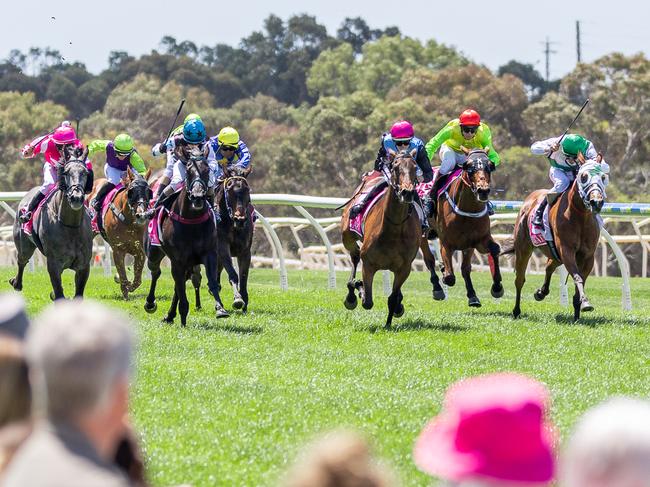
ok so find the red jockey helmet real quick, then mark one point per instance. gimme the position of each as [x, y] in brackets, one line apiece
[64, 135]
[402, 130]
[470, 118]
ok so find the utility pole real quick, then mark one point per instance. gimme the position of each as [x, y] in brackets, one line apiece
[547, 53]
[578, 41]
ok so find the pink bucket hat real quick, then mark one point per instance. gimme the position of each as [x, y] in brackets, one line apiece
[492, 426]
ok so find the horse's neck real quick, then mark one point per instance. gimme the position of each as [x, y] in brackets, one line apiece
[575, 207]
[464, 197]
[65, 214]
[121, 202]
[394, 210]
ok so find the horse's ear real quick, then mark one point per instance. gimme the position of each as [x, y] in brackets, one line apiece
[464, 149]
[486, 149]
[84, 153]
[599, 157]
[129, 174]
[581, 158]
[413, 153]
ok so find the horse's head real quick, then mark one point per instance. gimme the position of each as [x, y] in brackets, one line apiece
[476, 173]
[196, 178]
[237, 195]
[403, 178]
[74, 174]
[591, 181]
[138, 194]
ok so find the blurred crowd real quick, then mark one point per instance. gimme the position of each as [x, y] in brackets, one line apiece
[64, 402]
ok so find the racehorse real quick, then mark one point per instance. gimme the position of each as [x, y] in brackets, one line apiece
[124, 226]
[188, 238]
[235, 232]
[463, 223]
[392, 230]
[61, 228]
[573, 223]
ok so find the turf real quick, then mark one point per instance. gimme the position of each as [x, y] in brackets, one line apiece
[231, 402]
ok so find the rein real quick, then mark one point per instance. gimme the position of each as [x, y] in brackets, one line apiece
[225, 196]
[456, 209]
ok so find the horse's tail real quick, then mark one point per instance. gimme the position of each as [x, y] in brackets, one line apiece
[508, 247]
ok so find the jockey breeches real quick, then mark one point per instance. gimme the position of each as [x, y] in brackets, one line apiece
[169, 167]
[49, 177]
[561, 179]
[113, 175]
[449, 159]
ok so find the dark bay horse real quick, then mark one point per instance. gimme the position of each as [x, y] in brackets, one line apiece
[573, 222]
[124, 226]
[189, 238]
[235, 233]
[392, 231]
[61, 230]
[463, 223]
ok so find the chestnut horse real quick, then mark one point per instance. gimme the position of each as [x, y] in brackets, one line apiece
[235, 232]
[573, 223]
[124, 225]
[392, 231]
[463, 223]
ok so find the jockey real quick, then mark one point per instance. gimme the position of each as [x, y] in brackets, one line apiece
[465, 131]
[401, 138]
[229, 151]
[120, 154]
[51, 146]
[193, 136]
[161, 148]
[563, 157]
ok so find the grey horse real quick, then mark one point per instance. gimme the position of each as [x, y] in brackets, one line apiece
[61, 231]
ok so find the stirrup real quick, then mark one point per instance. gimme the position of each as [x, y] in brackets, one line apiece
[25, 215]
[356, 209]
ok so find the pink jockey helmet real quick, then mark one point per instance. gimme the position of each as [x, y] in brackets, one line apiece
[64, 135]
[402, 130]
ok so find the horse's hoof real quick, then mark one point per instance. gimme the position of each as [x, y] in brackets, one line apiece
[586, 306]
[116, 278]
[168, 319]
[367, 305]
[399, 312]
[515, 313]
[449, 280]
[52, 297]
[539, 295]
[439, 295]
[222, 313]
[474, 302]
[151, 308]
[350, 304]
[17, 287]
[497, 291]
[238, 303]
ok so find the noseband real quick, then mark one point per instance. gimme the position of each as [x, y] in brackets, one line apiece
[473, 166]
[69, 189]
[225, 195]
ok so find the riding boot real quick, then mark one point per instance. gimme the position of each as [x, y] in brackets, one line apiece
[163, 199]
[161, 187]
[433, 196]
[366, 198]
[27, 212]
[538, 221]
[423, 217]
[96, 202]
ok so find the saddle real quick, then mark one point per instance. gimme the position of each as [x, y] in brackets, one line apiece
[97, 220]
[543, 236]
[28, 226]
[424, 189]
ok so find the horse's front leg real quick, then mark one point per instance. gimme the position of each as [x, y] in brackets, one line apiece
[542, 292]
[210, 264]
[173, 307]
[155, 256]
[448, 276]
[466, 271]
[244, 264]
[118, 257]
[580, 301]
[138, 266]
[196, 283]
[395, 306]
[493, 260]
[80, 280]
[368, 275]
[522, 256]
[430, 262]
[179, 273]
[54, 270]
[233, 278]
[350, 301]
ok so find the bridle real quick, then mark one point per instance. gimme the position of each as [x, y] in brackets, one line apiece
[471, 167]
[388, 167]
[225, 192]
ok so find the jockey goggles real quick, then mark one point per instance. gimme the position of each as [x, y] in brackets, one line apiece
[402, 142]
[228, 148]
[468, 129]
[124, 153]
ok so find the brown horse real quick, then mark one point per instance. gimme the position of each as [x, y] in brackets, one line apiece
[235, 232]
[392, 231]
[463, 223]
[124, 226]
[573, 223]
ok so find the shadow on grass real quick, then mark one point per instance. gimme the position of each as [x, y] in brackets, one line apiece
[596, 321]
[417, 325]
[227, 326]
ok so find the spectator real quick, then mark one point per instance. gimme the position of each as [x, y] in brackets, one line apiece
[340, 459]
[79, 353]
[492, 432]
[13, 320]
[610, 446]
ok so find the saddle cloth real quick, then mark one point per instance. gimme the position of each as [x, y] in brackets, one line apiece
[424, 189]
[94, 223]
[357, 224]
[154, 228]
[28, 227]
[539, 236]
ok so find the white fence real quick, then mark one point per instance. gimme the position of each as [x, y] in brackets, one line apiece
[332, 256]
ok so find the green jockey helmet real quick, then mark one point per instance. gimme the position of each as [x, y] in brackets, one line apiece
[123, 144]
[574, 143]
[192, 116]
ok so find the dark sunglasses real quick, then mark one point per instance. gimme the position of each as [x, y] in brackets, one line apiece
[120, 153]
[469, 130]
[402, 142]
[228, 148]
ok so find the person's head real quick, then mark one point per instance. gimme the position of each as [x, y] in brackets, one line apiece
[13, 320]
[194, 132]
[470, 121]
[339, 459]
[15, 395]
[402, 133]
[228, 139]
[63, 136]
[123, 145]
[80, 356]
[192, 116]
[610, 446]
[492, 431]
[572, 145]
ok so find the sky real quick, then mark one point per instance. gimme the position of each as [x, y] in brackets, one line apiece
[488, 32]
